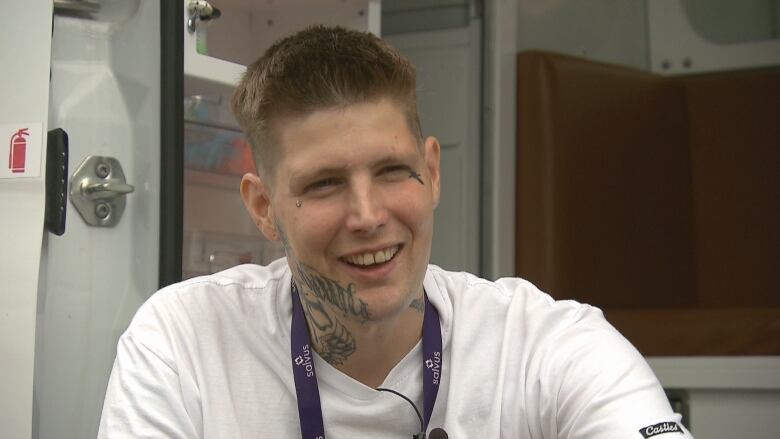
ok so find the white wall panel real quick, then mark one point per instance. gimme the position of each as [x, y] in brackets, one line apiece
[613, 31]
[24, 87]
[448, 90]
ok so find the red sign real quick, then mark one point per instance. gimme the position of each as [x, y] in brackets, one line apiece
[18, 151]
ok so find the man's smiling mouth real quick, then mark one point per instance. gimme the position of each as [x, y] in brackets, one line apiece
[368, 259]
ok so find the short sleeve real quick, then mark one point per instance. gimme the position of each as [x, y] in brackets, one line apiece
[602, 387]
[144, 398]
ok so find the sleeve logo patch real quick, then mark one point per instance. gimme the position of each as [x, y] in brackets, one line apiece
[660, 428]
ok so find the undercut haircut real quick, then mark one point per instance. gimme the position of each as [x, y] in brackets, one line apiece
[319, 68]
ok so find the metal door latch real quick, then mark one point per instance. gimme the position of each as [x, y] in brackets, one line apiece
[200, 10]
[98, 189]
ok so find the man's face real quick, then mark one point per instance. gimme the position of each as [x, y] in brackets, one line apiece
[352, 201]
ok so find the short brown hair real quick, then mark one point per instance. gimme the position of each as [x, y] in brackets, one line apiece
[314, 69]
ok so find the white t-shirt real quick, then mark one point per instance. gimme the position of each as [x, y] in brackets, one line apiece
[210, 358]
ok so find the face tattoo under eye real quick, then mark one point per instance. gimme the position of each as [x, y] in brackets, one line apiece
[416, 176]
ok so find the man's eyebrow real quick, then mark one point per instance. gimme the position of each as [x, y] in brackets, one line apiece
[325, 170]
[313, 172]
[392, 159]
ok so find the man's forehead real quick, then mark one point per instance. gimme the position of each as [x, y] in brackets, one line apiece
[355, 126]
[372, 131]
[342, 164]
[354, 113]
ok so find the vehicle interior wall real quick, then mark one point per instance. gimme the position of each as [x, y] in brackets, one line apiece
[719, 154]
[652, 197]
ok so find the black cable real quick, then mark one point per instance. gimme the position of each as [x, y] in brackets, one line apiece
[422, 427]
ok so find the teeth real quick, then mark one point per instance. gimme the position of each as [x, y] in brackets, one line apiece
[373, 258]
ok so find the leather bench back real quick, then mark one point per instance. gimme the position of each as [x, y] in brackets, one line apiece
[655, 198]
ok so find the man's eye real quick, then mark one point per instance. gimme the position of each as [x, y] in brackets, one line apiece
[322, 184]
[396, 169]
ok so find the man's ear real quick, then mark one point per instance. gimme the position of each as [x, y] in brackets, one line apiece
[432, 162]
[257, 200]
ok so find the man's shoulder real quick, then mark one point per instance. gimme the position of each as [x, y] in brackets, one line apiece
[513, 298]
[240, 277]
[228, 289]
[465, 284]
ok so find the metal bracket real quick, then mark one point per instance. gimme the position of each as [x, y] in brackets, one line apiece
[98, 189]
[200, 10]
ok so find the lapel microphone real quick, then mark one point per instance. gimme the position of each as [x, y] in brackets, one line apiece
[436, 433]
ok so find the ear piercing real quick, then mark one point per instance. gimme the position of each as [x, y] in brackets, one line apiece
[298, 203]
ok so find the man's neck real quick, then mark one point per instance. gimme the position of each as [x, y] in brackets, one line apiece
[363, 349]
[380, 346]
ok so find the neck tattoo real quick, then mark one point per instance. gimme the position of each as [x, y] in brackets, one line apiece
[330, 337]
[344, 299]
[418, 304]
[332, 340]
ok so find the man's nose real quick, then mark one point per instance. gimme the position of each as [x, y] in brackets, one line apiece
[367, 211]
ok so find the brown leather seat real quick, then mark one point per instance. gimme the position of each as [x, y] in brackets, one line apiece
[654, 198]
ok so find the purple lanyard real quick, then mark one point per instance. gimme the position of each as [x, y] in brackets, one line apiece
[307, 390]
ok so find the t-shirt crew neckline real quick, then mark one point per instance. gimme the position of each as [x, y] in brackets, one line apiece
[328, 375]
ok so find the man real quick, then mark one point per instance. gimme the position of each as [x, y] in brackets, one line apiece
[354, 334]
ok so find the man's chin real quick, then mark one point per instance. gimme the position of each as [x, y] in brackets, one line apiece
[384, 302]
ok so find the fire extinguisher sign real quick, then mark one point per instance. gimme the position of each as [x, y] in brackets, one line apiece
[20, 154]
